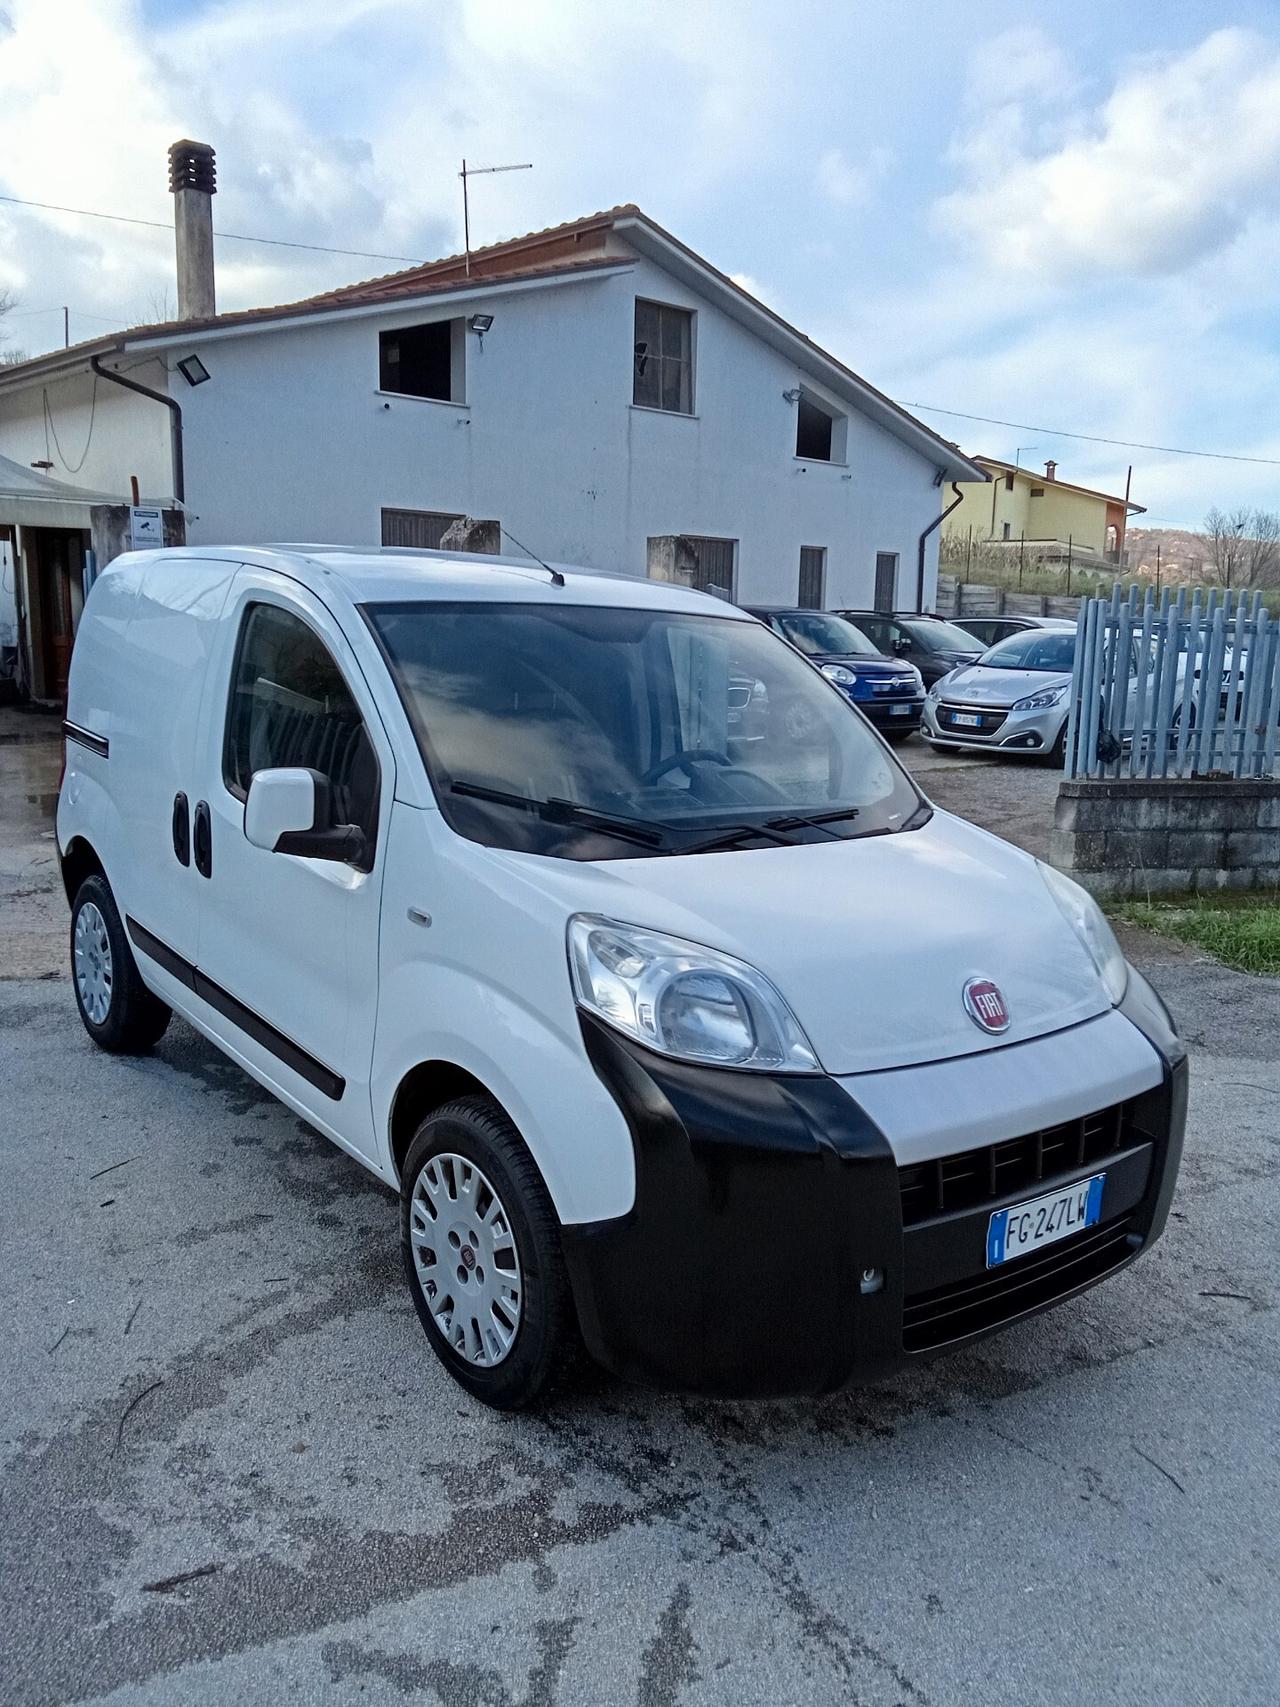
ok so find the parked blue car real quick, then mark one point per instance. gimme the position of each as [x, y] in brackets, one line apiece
[886, 690]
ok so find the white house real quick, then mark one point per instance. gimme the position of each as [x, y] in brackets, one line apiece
[598, 389]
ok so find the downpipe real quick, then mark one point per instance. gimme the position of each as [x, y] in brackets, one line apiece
[924, 540]
[175, 421]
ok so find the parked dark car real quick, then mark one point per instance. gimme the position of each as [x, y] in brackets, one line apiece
[935, 647]
[990, 629]
[888, 691]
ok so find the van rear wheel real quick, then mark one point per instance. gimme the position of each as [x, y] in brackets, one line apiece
[119, 1012]
[482, 1255]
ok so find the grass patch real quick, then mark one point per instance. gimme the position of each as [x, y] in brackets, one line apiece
[1241, 931]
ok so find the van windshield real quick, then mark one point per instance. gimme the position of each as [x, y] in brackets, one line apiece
[598, 732]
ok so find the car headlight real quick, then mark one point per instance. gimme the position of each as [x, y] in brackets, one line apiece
[842, 677]
[1042, 701]
[684, 1000]
[935, 692]
[1087, 920]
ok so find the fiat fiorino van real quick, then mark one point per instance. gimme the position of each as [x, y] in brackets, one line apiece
[706, 1040]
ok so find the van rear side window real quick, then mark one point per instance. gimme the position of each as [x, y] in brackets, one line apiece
[291, 706]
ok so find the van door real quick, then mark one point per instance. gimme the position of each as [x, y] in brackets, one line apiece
[163, 665]
[288, 954]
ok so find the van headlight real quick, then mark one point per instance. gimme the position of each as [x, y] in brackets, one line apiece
[684, 1000]
[1087, 920]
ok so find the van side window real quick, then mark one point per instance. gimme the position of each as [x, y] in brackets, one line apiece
[290, 706]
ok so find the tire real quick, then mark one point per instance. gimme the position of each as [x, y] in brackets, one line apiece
[521, 1239]
[119, 1012]
[1056, 757]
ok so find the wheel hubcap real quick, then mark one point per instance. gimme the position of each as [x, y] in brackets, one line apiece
[91, 954]
[466, 1259]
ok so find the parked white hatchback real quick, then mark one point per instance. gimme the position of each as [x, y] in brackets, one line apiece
[732, 1056]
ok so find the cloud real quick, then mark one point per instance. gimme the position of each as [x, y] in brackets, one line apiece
[846, 183]
[1173, 166]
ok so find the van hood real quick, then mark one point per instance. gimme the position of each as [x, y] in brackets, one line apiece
[981, 685]
[871, 942]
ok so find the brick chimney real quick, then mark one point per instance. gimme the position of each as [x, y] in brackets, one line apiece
[1051, 471]
[193, 181]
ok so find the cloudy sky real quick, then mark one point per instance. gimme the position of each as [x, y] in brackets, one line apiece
[1065, 217]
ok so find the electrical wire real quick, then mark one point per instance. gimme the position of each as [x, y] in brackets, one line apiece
[48, 416]
[231, 236]
[1093, 438]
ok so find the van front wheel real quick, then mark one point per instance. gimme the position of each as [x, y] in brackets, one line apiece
[482, 1255]
[118, 1010]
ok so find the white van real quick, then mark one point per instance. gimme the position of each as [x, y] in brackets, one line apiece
[681, 1023]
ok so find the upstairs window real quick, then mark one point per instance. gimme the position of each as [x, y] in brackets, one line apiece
[820, 431]
[663, 358]
[423, 361]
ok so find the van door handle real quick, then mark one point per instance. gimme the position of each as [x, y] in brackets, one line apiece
[202, 840]
[181, 830]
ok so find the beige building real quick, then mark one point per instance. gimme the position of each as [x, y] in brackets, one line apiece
[1020, 504]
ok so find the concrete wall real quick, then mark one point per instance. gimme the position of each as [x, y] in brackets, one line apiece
[291, 439]
[1136, 838]
[97, 434]
[978, 598]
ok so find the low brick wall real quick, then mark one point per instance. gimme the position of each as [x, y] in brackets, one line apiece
[1167, 837]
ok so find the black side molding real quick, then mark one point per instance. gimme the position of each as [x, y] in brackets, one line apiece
[293, 1055]
[86, 738]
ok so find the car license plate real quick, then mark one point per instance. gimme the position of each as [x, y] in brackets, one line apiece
[966, 719]
[901, 710]
[1044, 1220]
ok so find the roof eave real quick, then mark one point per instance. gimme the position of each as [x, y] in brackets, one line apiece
[651, 240]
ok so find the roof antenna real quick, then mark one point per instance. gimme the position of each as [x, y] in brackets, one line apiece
[557, 579]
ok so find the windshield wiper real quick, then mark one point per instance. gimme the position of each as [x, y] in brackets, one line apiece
[770, 832]
[812, 820]
[558, 811]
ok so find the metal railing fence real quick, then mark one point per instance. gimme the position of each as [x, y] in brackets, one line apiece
[1183, 685]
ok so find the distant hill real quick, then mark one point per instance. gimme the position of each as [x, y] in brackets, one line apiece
[1181, 555]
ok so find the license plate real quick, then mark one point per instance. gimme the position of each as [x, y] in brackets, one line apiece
[901, 710]
[966, 719]
[1044, 1220]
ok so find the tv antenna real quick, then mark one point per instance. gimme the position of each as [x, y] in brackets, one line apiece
[480, 172]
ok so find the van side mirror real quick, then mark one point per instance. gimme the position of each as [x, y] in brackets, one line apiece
[290, 811]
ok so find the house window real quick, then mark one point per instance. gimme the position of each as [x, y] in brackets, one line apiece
[1037, 491]
[420, 529]
[693, 560]
[1008, 483]
[423, 361]
[663, 358]
[813, 575]
[1006, 531]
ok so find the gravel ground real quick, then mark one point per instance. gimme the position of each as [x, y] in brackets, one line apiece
[231, 1471]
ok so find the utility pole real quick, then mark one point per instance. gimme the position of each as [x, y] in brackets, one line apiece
[66, 328]
[477, 172]
[1157, 568]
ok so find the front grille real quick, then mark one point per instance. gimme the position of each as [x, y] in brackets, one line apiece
[988, 720]
[951, 1184]
[971, 1306]
[895, 684]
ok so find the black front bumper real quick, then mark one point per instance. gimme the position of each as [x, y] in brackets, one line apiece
[888, 714]
[763, 1201]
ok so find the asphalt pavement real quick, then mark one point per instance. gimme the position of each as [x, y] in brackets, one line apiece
[231, 1470]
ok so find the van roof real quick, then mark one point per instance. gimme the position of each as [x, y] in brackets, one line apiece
[391, 573]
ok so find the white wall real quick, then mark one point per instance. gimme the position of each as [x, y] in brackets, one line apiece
[96, 434]
[291, 440]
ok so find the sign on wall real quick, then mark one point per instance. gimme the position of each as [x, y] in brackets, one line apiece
[146, 528]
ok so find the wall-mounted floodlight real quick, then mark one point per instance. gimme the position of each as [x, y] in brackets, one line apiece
[792, 396]
[480, 323]
[193, 370]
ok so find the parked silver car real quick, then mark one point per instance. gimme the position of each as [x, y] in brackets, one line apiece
[1017, 696]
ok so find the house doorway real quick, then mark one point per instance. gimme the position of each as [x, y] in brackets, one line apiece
[886, 580]
[56, 556]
